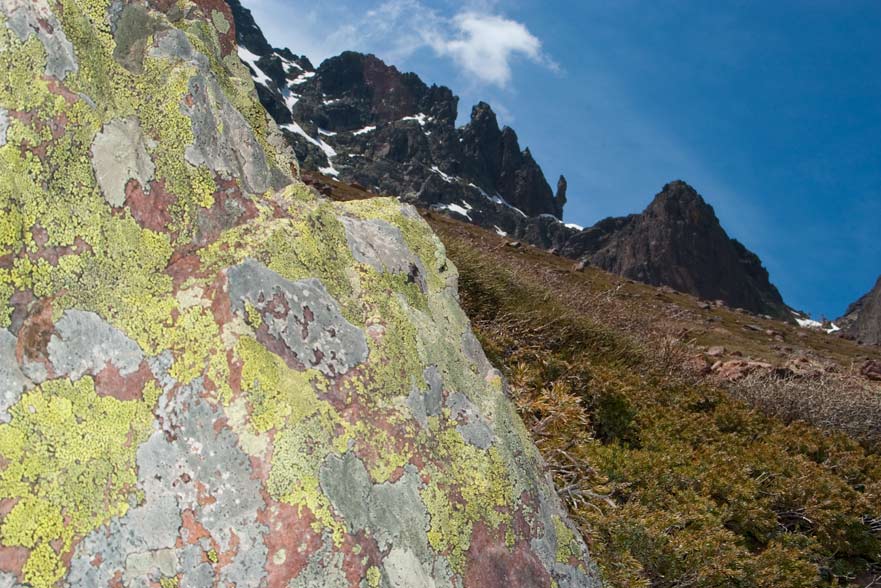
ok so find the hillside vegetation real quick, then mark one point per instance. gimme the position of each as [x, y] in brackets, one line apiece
[673, 482]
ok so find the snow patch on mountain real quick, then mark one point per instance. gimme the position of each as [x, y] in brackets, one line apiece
[364, 131]
[251, 60]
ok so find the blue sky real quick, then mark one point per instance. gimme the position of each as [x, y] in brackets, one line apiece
[772, 110]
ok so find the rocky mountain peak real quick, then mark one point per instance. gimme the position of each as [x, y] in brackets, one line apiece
[363, 121]
[384, 92]
[678, 241]
[678, 202]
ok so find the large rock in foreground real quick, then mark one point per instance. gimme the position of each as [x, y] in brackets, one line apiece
[210, 377]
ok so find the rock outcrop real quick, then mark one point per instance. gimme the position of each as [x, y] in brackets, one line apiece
[209, 376]
[862, 320]
[678, 242]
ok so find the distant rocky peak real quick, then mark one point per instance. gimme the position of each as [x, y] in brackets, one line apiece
[386, 93]
[678, 201]
[483, 117]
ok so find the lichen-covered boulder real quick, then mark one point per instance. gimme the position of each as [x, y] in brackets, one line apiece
[208, 375]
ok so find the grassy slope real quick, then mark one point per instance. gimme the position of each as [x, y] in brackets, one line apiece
[673, 482]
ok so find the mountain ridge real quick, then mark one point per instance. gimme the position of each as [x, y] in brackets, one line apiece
[360, 120]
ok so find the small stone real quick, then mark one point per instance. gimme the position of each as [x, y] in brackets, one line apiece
[872, 370]
[716, 351]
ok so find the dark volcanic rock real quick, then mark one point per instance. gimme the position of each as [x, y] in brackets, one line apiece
[360, 120]
[862, 321]
[678, 241]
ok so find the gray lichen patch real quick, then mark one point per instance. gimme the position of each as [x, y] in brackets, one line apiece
[119, 154]
[324, 569]
[471, 425]
[393, 513]
[35, 17]
[173, 45]
[8, 580]
[195, 468]
[4, 126]
[300, 314]
[12, 381]
[404, 570]
[220, 22]
[224, 142]
[381, 245]
[85, 343]
[424, 404]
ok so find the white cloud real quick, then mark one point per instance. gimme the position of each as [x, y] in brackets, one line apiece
[484, 45]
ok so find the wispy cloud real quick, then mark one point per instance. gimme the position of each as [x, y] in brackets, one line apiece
[484, 45]
[480, 41]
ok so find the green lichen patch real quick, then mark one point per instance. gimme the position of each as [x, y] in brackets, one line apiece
[70, 467]
[470, 485]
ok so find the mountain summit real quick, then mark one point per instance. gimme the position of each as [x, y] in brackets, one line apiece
[678, 241]
[361, 121]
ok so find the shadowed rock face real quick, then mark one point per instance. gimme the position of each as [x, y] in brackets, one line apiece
[678, 241]
[364, 121]
[862, 321]
[209, 376]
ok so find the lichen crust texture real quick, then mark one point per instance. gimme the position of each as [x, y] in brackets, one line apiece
[209, 375]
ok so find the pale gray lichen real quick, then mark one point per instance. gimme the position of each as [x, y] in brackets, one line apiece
[4, 125]
[35, 17]
[12, 381]
[176, 472]
[381, 245]
[471, 425]
[424, 404]
[301, 314]
[224, 142]
[393, 513]
[85, 343]
[325, 569]
[119, 154]
[8, 580]
[403, 569]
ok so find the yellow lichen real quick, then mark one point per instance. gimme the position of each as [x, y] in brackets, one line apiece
[568, 546]
[373, 576]
[474, 486]
[62, 443]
